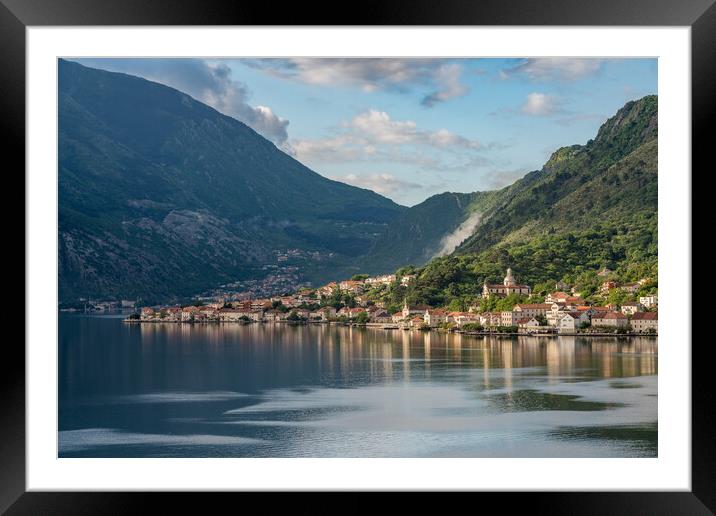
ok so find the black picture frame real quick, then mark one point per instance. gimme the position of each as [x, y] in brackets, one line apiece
[17, 15]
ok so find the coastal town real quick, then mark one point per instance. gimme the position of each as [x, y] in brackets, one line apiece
[357, 301]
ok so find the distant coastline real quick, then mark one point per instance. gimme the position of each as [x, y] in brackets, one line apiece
[389, 327]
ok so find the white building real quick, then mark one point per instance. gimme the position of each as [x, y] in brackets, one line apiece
[528, 324]
[569, 322]
[630, 308]
[649, 301]
[508, 286]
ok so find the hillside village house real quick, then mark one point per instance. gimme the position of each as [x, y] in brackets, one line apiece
[413, 310]
[380, 280]
[434, 317]
[509, 286]
[380, 316]
[326, 290]
[407, 279]
[607, 286]
[532, 310]
[563, 297]
[570, 322]
[649, 301]
[231, 314]
[491, 318]
[460, 318]
[645, 321]
[509, 318]
[416, 322]
[631, 287]
[613, 319]
[353, 286]
[187, 313]
[528, 325]
[630, 308]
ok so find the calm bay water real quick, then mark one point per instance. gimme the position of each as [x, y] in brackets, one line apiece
[168, 390]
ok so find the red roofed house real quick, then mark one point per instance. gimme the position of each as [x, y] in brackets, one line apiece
[556, 297]
[416, 322]
[187, 313]
[613, 319]
[528, 324]
[607, 286]
[645, 321]
[532, 310]
[434, 317]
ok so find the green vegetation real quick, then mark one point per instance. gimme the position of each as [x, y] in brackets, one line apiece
[472, 327]
[590, 207]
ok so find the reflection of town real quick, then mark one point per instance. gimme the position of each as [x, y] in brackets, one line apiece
[375, 354]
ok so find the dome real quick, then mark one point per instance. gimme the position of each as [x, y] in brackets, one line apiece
[509, 278]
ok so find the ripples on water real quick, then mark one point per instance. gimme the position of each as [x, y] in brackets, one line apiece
[168, 390]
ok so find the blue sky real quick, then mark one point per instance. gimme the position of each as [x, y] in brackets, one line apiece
[411, 128]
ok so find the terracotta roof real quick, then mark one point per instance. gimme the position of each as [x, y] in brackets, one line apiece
[613, 315]
[645, 316]
[536, 306]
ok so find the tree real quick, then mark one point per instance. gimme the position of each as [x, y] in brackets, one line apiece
[361, 318]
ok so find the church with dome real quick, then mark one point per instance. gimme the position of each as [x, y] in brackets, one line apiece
[508, 286]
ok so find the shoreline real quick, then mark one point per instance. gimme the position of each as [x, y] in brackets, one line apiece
[393, 327]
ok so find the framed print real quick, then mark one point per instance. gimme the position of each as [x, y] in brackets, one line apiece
[414, 250]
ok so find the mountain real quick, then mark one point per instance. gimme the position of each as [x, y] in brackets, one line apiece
[163, 196]
[417, 234]
[590, 206]
[614, 172]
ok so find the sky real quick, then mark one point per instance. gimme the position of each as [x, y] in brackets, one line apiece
[410, 128]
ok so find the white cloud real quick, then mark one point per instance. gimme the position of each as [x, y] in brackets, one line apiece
[540, 104]
[555, 68]
[377, 127]
[373, 74]
[384, 184]
[373, 135]
[448, 79]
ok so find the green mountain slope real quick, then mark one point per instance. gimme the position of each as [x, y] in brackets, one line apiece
[416, 235]
[437, 226]
[591, 206]
[161, 195]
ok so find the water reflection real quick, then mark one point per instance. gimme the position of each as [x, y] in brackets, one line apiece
[319, 390]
